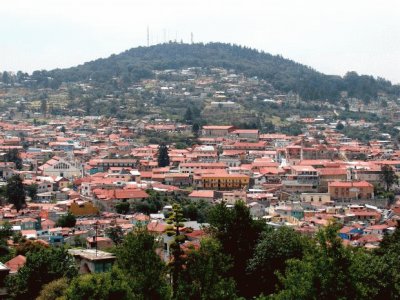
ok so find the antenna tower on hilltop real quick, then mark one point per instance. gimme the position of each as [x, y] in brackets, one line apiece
[148, 36]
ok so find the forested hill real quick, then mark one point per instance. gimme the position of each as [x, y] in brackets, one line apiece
[284, 74]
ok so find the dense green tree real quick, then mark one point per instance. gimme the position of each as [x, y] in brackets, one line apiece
[339, 126]
[54, 290]
[6, 78]
[388, 176]
[122, 207]
[68, 220]
[206, 274]
[175, 221]
[374, 277]
[103, 286]
[274, 248]
[142, 266]
[31, 191]
[116, 234]
[5, 231]
[15, 192]
[188, 115]
[43, 106]
[196, 129]
[283, 74]
[238, 234]
[163, 157]
[41, 267]
[12, 155]
[323, 273]
[26, 246]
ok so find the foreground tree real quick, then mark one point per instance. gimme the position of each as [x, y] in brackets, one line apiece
[163, 157]
[28, 246]
[41, 267]
[175, 221]
[142, 266]
[15, 192]
[238, 234]
[324, 272]
[54, 290]
[103, 286]
[205, 275]
[272, 251]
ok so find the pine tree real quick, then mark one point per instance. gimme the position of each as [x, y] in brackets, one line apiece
[163, 157]
[15, 192]
[176, 265]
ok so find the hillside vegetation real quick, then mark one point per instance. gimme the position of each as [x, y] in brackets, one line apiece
[285, 75]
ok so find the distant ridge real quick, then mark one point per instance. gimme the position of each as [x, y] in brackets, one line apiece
[285, 75]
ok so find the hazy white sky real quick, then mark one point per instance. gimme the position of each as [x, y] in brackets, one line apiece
[332, 36]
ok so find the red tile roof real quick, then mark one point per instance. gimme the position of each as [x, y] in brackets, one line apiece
[16, 263]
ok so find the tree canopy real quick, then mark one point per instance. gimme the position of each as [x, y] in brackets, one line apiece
[284, 74]
[163, 157]
[15, 192]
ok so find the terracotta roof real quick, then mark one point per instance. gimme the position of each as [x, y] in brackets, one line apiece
[202, 194]
[217, 127]
[349, 184]
[156, 227]
[332, 171]
[16, 263]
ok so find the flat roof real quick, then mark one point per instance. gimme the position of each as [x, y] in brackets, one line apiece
[90, 254]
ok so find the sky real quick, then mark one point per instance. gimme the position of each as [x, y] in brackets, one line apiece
[330, 36]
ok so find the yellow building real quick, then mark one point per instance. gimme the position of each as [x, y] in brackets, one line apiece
[224, 181]
[83, 208]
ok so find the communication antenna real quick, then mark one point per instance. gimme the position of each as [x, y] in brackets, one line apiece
[191, 37]
[148, 36]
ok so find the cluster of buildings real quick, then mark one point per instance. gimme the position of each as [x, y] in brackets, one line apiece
[89, 165]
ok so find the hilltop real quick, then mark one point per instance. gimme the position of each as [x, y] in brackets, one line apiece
[283, 74]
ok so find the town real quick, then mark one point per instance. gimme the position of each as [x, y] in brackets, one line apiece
[90, 174]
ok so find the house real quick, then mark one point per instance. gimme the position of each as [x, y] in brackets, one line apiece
[62, 182]
[348, 190]
[256, 209]
[350, 233]
[47, 224]
[224, 181]
[60, 167]
[378, 229]
[98, 242]
[4, 272]
[108, 198]
[318, 198]
[206, 195]
[92, 261]
[7, 169]
[16, 263]
[193, 166]
[246, 134]
[327, 175]
[217, 130]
